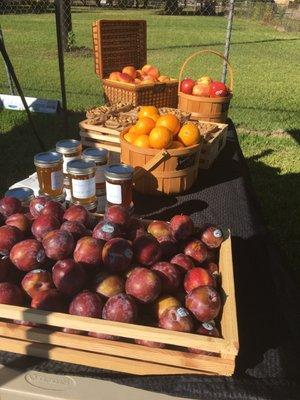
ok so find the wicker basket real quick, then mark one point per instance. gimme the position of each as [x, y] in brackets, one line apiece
[212, 109]
[169, 171]
[118, 43]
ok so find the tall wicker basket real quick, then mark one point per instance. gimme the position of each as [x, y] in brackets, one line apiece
[212, 109]
[118, 43]
[170, 171]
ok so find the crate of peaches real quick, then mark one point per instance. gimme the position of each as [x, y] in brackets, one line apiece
[116, 292]
[164, 152]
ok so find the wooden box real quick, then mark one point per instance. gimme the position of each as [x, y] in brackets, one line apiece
[100, 136]
[117, 44]
[126, 356]
[211, 149]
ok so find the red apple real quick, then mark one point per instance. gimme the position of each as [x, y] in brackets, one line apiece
[48, 300]
[36, 281]
[204, 302]
[58, 244]
[69, 277]
[106, 230]
[117, 255]
[176, 319]
[19, 221]
[121, 308]
[108, 285]
[146, 250]
[169, 275]
[44, 224]
[77, 229]
[196, 250]
[86, 304]
[117, 215]
[212, 236]
[163, 303]
[218, 89]
[159, 229]
[197, 277]
[54, 209]
[182, 227]
[186, 85]
[183, 262]
[143, 284]
[88, 252]
[36, 205]
[77, 213]
[9, 236]
[201, 89]
[11, 294]
[27, 255]
[9, 206]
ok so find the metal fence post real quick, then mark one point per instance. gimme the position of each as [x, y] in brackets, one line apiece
[228, 38]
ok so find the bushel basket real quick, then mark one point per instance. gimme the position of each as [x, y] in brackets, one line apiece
[212, 109]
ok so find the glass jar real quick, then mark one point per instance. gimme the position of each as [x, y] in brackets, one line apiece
[91, 207]
[61, 198]
[99, 156]
[70, 149]
[49, 168]
[24, 194]
[119, 184]
[82, 179]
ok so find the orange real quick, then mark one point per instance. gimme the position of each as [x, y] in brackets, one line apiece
[154, 117]
[189, 134]
[147, 111]
[170, 122]
[177, 145]
[144, 126]
[160, 138]
[142, 141]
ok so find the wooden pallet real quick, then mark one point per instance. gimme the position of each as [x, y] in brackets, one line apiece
[122, 356]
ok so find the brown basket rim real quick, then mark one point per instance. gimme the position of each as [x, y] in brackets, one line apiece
[152, 152]
[138, 86]
[206, 99]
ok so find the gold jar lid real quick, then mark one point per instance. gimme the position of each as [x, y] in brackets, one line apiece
[68, 146]
[119, 172]
[81, 167]
[96, 155]
[48, 158]
[24, 194]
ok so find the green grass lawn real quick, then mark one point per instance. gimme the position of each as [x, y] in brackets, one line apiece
[265, 61]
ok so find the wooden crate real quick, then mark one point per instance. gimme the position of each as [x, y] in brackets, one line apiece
[124, 356]
[99, 136]
[211, 149]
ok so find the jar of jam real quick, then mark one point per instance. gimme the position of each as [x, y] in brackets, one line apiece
[24, 194]
[49, 168]
[91, 207]
[119, 184]
[82, 179]
[61, 198]
[99, 156]
[70, 149]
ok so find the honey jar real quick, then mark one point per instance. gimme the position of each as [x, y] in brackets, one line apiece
[24, 194]
[70, 149]
[82, 179]
[119, 184]
[49, 168]
[61, 198]
[91, 207]
[99, 156]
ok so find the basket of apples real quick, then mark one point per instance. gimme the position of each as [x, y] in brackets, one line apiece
[205, 98]
[120, 54]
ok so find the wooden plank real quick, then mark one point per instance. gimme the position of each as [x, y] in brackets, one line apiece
[101, 145]
[84, 125]
[131, 331]
[98, 136]
[117, 348]
[90, 359]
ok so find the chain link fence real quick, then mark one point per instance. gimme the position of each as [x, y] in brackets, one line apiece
[263, 50]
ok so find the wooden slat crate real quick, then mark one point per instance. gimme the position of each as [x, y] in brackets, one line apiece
[211, 149]
[123, 356]
[100, 136]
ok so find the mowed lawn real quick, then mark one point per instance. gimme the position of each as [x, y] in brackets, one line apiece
[266, 62]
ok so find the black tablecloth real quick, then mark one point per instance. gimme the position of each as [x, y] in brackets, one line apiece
[268, 362]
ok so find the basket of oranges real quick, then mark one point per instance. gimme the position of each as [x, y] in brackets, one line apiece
[164, 152]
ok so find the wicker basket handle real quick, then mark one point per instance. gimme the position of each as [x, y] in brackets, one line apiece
[154, 162]
[210, 52]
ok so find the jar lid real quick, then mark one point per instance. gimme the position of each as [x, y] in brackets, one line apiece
[119, 172]
[68, 146]
[24, 194]
[49, 157]
[97, 155]
[81, 167]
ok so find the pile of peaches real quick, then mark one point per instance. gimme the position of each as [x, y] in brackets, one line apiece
[163, 275]
[148, 74]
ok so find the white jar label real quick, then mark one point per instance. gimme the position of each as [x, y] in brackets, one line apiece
[57, 180]
[113, 193]
[66, 160]
[83, 188]
[99, 177]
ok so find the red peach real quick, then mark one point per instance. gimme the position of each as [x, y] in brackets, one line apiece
[88, 252]
[204, 302]
[117, 254]
[86, 304]
[163, 303]
[36, 281]
[9, 236]
[11, 294]
[117, 215]
[121, 308]
[176, 319]
[130, 70]
[69, 277]
[169, 275]
[48, 300]
[183, 262]
[55, 209]
[19, 221]
[159, 228]
[182, 227]
[44, 224]
[58, 244]
[77, 213]
[9, 206]
[146, 250]
[106, 230]
[114, 76]
[151, 70]
[77, 229]
[143, 284]
[196, 250]
[36, 205]
[27, 255]
[212, 236]
[197, 277]
[109, 285]
[125, 78]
